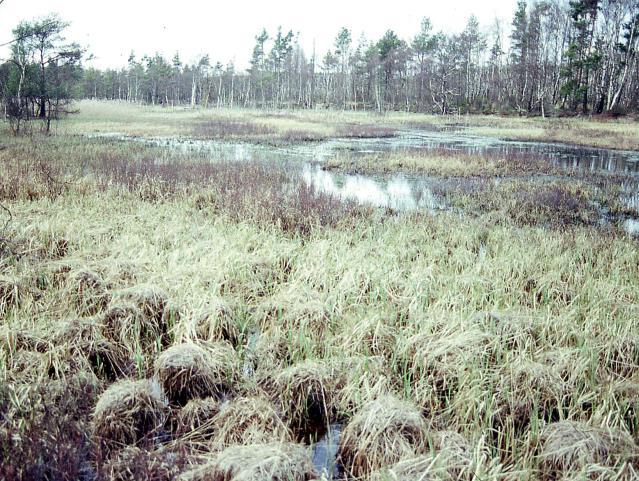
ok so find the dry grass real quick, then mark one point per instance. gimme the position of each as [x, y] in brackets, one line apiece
[445, 163]
[134, 464]
[249, 420]
[605, 133]
[129, 413]
[443, 348]
[227, 124]
[321, 124]
[384, 432]
[195, 420]
[566, 447]
[305, 393]
[257, 462]
[189, 371]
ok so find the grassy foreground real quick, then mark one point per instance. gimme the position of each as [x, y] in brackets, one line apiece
[195, 321]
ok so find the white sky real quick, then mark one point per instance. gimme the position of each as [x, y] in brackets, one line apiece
[226, 29]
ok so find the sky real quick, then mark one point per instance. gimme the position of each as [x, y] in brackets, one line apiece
[225, 30]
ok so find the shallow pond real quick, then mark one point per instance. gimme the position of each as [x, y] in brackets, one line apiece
[405, 191]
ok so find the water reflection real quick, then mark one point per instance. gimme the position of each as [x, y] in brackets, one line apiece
[400, 191]
[631, 226]
[396, 192]
[568, 156]
[561, 155]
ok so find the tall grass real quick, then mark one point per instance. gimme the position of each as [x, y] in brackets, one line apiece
[495, 350]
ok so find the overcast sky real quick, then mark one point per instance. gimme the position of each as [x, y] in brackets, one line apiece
[226, 29]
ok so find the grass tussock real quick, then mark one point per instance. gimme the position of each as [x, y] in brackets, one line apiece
[218, 322]
[134, 464]
[249, 420]
[90, 293]
[129, 413]
[82, 343]
[567, 447]
[257, 462]
[195, 419]
[305, 393]
[189, 371]
[384, 432]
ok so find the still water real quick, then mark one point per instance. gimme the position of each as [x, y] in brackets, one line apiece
[403, 191]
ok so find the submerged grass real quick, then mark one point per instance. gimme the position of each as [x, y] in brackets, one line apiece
[165, 318]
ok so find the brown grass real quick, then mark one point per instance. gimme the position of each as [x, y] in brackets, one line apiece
[135, 464]
[11, 294]
[195, 420]
[189, 371]
[249, 420]
[569, 446]
[90, 293]
[81, 345]
[257, 462]
[129, 413]
[305, 394]
[384, 432]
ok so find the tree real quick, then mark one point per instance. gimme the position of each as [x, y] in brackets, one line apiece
[582, 58]
[280, 53]
[393, 56]
[579, 56]
[423, 44]
[625, 55]
[199, 71]
[471, 44]
[519, 50]
[343, 43]
[47, 70]
[176, 74]
[258, 61]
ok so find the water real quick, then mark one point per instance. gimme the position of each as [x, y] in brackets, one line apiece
[562, 155]
[568, 156]
[399, 191]
[631, 226]
[325, 453]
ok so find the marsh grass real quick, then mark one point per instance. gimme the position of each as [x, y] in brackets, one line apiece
[222, 124]
[446, 163]
[445, 351]
[605, 133]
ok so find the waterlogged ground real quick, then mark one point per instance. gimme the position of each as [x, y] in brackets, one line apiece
[237, 307]
[357, 169]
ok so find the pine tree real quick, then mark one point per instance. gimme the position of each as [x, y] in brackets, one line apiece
[582, 58]
[519, 50]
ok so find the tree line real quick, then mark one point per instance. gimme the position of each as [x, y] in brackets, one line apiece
[575, 56]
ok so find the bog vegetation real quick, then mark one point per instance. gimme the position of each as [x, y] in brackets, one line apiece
[166, 317]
